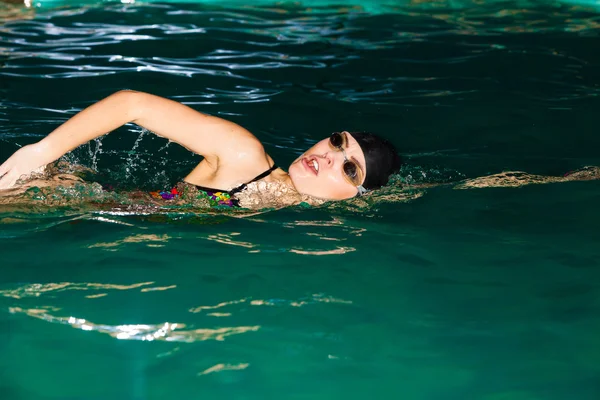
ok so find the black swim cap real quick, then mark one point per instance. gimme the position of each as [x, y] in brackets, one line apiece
[381, 158]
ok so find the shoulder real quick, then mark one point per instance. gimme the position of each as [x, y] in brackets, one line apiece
[239, 147]
[239, 159]
[246, 156]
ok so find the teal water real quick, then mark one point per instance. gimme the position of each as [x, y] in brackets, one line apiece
[488, 294]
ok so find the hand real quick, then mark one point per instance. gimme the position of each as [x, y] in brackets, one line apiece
[24, 161]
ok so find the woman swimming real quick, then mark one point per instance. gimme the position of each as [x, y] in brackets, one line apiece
[342, 166]
[236, 170]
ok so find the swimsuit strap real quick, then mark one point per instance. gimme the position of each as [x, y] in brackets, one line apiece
[258, 177]
[238, 188]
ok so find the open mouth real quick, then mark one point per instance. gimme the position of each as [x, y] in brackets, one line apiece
[311, 164]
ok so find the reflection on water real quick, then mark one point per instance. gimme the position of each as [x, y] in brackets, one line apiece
[337, 250]
[170, 332]
[167, 331]
[489, 293]
[313, 299]
[224, 367]
[37, 289]
[151, 240]
[224, 238]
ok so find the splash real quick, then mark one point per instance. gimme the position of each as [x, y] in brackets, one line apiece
[58, 185]
[374, 6]
[518, 179]
[61, 186]
[411, 175]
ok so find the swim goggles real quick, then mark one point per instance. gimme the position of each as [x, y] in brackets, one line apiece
[352, 172]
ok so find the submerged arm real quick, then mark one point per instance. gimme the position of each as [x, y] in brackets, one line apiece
[211, 137]
[516, 179]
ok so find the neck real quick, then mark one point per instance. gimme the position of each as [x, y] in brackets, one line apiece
[283, 178]
[277, 190]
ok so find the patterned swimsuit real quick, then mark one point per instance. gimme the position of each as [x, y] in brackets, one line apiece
[215, 197]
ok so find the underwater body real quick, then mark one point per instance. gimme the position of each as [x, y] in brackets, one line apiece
[437, 287]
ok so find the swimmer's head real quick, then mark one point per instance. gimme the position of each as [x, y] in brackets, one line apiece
[345, 165]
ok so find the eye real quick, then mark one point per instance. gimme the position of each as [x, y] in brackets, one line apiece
[350, 169]
[337, 140]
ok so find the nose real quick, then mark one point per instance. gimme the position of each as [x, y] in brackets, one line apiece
[328, 158]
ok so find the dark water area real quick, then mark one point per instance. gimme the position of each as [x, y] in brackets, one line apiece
[487, 294]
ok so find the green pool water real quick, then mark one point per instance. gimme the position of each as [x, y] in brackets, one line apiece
[487, 294]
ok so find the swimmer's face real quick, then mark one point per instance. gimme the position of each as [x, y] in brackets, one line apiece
[320, 172]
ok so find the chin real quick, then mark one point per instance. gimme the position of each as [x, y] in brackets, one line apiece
[309, 185]
[306, 188]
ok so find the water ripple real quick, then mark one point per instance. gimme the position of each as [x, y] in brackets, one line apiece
[38, 289]
[164, 331]
[168, 331]
[257, 63]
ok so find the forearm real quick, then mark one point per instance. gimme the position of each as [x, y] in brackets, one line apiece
[96, 120]
[213, 138]
[200, 133]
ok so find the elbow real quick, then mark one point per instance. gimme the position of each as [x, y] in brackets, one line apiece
[131, 101]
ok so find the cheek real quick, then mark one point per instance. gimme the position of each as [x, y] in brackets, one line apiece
[328, 186]
[298, 173]
[337, 187]
[300, 178]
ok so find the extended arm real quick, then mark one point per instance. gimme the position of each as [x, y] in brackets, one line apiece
[212, 137]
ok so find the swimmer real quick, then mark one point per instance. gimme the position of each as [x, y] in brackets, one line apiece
[235, 170]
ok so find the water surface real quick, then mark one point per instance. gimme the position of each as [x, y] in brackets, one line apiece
[486, 294]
